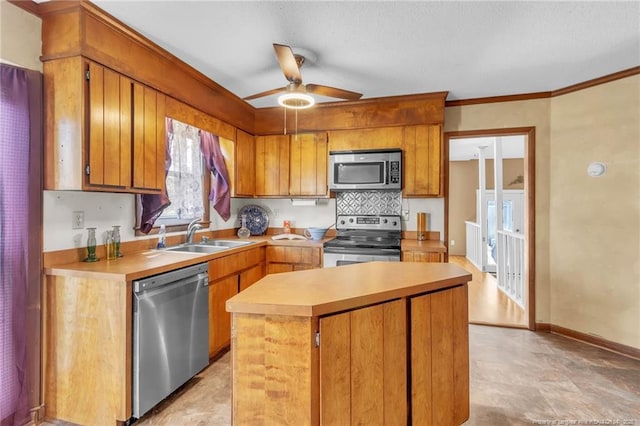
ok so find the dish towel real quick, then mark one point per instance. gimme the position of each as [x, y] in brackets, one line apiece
[213, 158]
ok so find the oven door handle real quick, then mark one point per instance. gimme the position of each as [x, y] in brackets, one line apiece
[367, 252]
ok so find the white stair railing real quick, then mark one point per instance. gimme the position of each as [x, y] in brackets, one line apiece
[474, 244]
[511, 266]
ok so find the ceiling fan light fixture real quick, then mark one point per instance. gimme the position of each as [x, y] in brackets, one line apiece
[296, 100]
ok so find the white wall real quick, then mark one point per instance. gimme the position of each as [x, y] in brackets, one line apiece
[103, 210]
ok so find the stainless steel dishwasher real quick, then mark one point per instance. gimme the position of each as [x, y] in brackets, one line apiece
[170, 333]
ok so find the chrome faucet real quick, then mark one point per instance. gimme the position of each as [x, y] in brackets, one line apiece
[191, 229]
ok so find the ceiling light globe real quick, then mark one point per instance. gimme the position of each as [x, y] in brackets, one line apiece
[296, 100]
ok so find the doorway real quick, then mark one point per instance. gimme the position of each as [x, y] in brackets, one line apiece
[479, 207]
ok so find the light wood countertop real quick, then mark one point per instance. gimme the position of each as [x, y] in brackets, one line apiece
[318, 292]
[151, 262]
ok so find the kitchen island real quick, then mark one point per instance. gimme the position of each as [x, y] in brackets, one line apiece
[369, 343]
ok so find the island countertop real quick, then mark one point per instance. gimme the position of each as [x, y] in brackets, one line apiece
[319, 292]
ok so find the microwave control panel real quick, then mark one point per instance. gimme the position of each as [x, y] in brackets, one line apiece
[394, 172]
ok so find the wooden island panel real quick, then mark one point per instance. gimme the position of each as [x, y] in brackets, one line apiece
[391, 346]
[273, 353]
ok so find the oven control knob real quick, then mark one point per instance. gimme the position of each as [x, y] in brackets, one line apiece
[342, 222]
[351, 220]
[395, 223]
[384, 221]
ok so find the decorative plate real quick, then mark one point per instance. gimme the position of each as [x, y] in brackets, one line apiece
[257, 219]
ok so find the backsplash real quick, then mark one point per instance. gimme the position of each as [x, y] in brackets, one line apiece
[103, 210]
[369, 202]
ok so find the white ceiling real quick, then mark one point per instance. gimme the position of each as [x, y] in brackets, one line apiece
[471, 49]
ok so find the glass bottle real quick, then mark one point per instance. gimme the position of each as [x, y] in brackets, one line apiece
[116, 239]
[243, 232]
[91, 246]
[111, 246]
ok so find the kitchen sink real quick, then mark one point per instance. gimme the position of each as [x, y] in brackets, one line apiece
[211, 246]
[197, 248]
[225, 243]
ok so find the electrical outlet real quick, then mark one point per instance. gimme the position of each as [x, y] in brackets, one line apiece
[453, 243]
[77, 220]
[405, 214]
[276, 212]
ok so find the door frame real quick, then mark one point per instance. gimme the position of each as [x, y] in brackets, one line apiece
[529, 214]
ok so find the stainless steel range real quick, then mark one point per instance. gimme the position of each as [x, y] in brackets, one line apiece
[364, 238]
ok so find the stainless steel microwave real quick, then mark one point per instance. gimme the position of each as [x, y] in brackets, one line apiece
[365, 169]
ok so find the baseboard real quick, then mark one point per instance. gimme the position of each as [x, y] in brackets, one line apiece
[543, 327]
[629, 351]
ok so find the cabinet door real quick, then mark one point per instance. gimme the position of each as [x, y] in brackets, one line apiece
[422, 163]
[251, 275]
[421, 256]
[109, 143]
[272, 165]
[276, 268]
[308, 164]
[363, 375]
[245, 184]
[383, 137]
[219, 319]
[440, 358]
[287, 259]
[149, 139]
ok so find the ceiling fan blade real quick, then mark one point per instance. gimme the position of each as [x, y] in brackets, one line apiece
[332, 92]
[266, 93]
[288, 63]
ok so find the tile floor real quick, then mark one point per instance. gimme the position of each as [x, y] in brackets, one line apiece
[518, 377]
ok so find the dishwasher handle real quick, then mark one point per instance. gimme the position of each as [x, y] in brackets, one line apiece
[177, 289]
[195, 272]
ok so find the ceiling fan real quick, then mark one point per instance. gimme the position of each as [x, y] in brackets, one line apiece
[296, 94]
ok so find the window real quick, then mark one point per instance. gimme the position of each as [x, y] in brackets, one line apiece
[187, 182]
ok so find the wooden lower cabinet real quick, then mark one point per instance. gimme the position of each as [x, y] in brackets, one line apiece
[363, 368]
[402, 362]
[220, 320]
[251, 276]
[440, 358]
[88, 349]
[422, 256]
[289, 258]
[229, 275]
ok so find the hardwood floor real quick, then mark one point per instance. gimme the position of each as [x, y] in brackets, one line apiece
[487, 304]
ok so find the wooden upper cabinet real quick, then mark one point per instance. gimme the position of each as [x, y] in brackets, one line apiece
[272, 165]
[245, 165]
[126, 133]
[109, 128]
[376, 138]
[308, 165]
[103, 131]
[422, 147]
[149, 138]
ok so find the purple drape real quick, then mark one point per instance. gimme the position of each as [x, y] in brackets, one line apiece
[151, 206]
[19, 175]
[214, 160]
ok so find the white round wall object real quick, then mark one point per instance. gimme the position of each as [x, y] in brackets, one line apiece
[596, 169]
